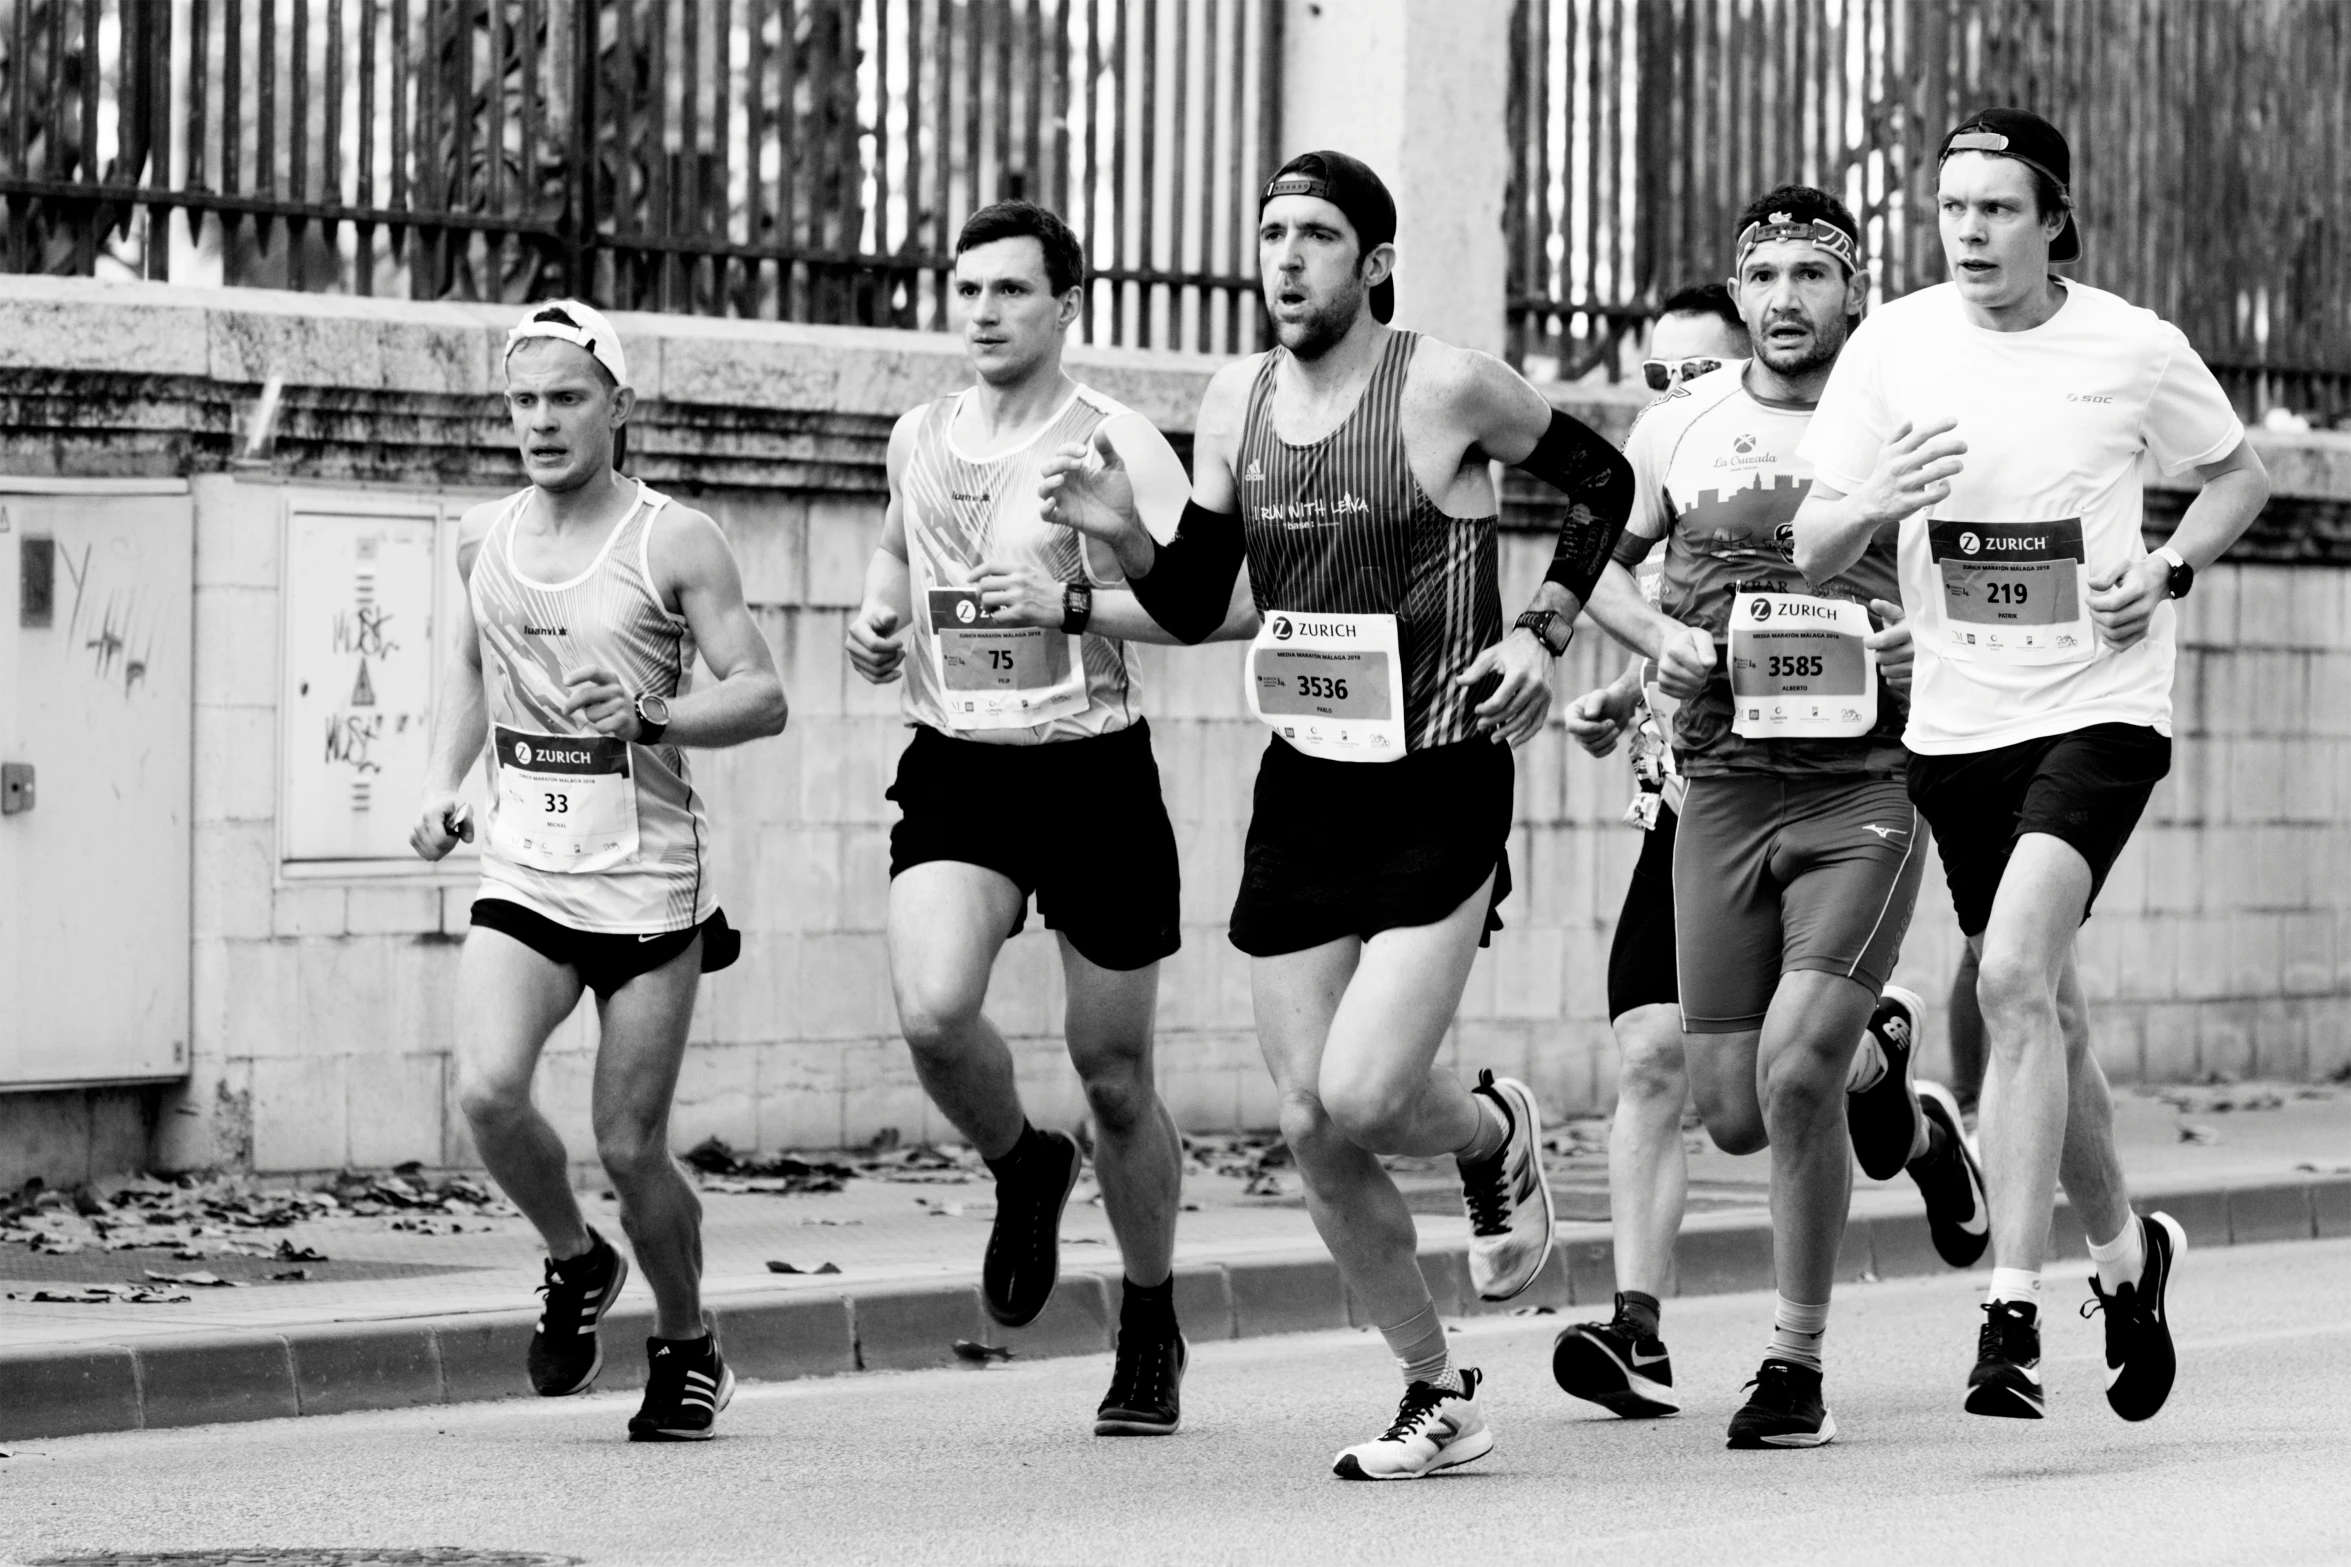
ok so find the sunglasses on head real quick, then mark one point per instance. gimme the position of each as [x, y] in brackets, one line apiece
[1662, 375]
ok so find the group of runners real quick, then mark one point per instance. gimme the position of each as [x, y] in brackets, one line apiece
[1901, 587]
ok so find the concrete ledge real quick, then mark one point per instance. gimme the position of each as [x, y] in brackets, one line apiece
[330, 1368]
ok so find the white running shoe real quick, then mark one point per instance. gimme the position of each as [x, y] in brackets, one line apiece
[1436, 1428]
[1510, 1218]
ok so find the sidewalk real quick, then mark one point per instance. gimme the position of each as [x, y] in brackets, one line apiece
[395, 1317]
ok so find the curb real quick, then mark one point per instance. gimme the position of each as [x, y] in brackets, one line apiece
[336, 1368]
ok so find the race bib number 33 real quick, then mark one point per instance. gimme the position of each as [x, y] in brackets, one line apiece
[565, 802]
[2014, 592]
[1799, 667]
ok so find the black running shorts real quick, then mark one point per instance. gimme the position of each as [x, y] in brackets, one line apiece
[605, 962]
[1640, 959]
[1078, 824]
[1774, 875]
[2087, 787]
[1354, 848]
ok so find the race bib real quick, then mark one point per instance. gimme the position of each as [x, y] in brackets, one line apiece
[1331, 685]
[2014, 592]
[1799, 669]
[1001, 677]
[565, 802]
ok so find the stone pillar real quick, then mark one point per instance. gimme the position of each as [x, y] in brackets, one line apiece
[1419, 90]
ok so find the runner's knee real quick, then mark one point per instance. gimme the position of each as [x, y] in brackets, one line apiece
[1306, 1126]
[1119, 1092]
[2011, 986]
[935, 1016]
[1652, 1069]
[1374, 1112]
[491, 1100]
[627, 1145]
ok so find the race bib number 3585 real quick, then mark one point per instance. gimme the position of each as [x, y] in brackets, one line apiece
[2014, 592]
[1799, 667]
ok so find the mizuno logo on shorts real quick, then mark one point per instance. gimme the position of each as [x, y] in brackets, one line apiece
[1886, 834]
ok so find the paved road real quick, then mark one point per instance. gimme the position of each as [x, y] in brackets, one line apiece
[2248, 1464]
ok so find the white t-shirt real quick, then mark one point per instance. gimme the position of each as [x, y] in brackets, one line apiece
[1993, 576]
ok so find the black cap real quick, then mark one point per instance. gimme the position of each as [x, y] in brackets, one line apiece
[1349, 185]
[2031, 141]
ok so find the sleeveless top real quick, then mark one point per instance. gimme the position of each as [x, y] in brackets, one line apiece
[960, 511]
[532, 634]
[1342, 527]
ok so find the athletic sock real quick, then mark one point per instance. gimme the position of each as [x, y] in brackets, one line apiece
[1922, 1137]
[1148, 1308]
[1639, 1312]
[2123, 1259]
[1492, 1135]
[1418, 1343]
[1868, 1068]
[2022, 1285]
[1008, 1164]
[1796, 1332]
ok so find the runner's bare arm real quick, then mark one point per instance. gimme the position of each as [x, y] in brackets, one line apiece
[2122, 602]
[461, 721]
[1684, 654]
[874, 649]
[1914, 470]
[695, 573]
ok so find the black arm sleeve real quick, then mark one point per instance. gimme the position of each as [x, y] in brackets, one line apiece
[1191, 582]
[1572, 457]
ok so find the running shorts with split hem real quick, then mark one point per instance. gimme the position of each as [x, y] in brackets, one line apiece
[1641, 956]
[1079, 824]
[604, 960]
[1777, 874]
[2087, 787]
[1354, 848]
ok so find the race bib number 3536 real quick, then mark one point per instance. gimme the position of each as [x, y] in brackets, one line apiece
[1329, 684]
[2014, 592]
[565, 802]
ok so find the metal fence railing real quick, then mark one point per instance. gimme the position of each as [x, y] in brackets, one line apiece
[2212, 157]
[793, 159]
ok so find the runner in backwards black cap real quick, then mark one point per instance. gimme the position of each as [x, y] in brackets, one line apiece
[1349, 466]
[1995, 424]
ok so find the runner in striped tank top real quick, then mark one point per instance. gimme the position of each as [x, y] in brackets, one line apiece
[587, 598]
[1348, 468]
[1031, 773]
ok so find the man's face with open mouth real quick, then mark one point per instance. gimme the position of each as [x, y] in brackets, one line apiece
[1995, 244]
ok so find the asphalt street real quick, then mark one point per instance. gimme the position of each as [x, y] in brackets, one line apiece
[2251, 1462]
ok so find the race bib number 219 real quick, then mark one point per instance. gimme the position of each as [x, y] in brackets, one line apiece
[2014, 592]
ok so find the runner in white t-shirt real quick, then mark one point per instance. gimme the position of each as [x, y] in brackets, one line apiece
[1997, 422]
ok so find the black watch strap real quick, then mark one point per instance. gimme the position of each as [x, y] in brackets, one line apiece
[649, 732]
[1551, 629]
[1077, 607]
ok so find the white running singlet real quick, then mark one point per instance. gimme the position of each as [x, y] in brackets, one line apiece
[591, 832]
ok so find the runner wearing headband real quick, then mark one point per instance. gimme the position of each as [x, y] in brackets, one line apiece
[1031, 772]
[1349, 467]
[587, 599]
[1797, 859]
[1996, 425]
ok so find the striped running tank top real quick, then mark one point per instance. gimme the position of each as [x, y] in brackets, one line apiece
[1340, 526]
[1006, 686]
[589, 831]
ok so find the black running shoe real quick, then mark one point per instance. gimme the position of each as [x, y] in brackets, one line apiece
[1610, 1364]
[565, 1353]
[1024, 1247]
[686, 1384]
[1146, 1386]
[2140, 1362]
[1883, 1119]
[1785, 1411]
[1959, 1216]
[2006, 1381]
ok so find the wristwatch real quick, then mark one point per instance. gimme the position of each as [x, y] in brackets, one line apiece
[1077, 606]
[2183, 575]
[1541, 622]
[652, 719]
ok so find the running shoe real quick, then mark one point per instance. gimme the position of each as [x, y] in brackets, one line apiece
[1785, 1411]
[1436, 1428]
[566, 1355]
[1610, 1364]
[2006, 1381]
[1959, 1216]
[1024, 1246]
[686, 1384]
[1883, 1118]
[1509, 1202]
[1146, 1386]
[2140, 1362]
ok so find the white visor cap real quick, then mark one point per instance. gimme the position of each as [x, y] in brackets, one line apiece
[583, 326]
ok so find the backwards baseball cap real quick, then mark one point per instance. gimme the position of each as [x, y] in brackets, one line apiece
[582, 326]
[2031, 141]
[1349, 185]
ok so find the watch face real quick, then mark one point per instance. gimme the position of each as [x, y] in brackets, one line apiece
[653, 710]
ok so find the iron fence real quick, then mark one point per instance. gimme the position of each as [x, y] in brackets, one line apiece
[2211, 149]
[805, 160]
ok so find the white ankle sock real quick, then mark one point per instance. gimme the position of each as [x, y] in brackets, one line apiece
[1418, 1343]
[2022, 1285]
[1492, 1135]
[1796, 1331]
[2121, 1260]
[1868, 1068]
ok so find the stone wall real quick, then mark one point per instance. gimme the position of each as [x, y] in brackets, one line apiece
[321, 1008]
